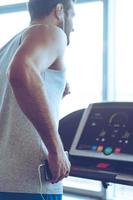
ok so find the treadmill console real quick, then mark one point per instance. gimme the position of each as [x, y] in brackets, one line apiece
[105, 131]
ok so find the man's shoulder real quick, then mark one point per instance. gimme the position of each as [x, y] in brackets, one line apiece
[46, 32]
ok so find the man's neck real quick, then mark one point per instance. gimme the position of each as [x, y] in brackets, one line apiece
[48, 20]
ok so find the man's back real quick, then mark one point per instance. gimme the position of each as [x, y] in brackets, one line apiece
[21, 148]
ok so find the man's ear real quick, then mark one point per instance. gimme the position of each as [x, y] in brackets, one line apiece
[59, 11]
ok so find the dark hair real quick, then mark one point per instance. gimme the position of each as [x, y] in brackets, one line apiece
[41, 8]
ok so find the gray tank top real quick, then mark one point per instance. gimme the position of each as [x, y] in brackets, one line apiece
[21, 148]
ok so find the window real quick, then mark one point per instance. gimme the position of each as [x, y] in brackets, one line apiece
[17, 20]
[84, 58]
[7, 2]
[122, 47]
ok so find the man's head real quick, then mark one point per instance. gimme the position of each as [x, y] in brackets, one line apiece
[63, 11]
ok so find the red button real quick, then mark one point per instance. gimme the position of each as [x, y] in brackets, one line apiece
[103, 165]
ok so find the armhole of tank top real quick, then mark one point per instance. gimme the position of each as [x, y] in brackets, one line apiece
[22, 36]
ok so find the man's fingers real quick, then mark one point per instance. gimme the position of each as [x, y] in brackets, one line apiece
[67, 174]
[56, 178]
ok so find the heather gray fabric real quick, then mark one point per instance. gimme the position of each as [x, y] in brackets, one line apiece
[21, 148]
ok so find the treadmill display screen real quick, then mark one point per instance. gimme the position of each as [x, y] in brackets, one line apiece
[105, 131]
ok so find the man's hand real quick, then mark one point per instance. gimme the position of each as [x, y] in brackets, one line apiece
[59, 166]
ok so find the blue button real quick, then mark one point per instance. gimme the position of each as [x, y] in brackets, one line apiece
[94, 147]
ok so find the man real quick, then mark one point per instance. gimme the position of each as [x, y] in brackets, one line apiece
[32, 83]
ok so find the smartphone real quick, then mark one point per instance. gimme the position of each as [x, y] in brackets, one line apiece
[47, 172]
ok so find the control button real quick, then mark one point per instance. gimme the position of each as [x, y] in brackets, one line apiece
[97, 139]
[117, 150]
[93, 124]
[100, 148]
[94, 147]
[103, 165]
[108, 150]
[103, 140]
[126, 141]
